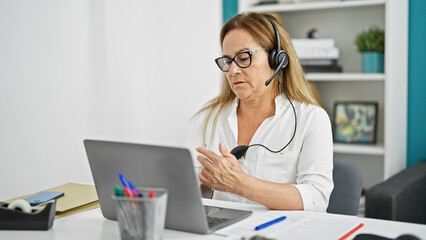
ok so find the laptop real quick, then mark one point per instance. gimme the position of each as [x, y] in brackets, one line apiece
[157, 167]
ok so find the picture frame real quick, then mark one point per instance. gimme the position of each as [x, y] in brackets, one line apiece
[355, 122]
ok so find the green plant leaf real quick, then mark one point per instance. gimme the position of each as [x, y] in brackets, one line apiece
[372, 40]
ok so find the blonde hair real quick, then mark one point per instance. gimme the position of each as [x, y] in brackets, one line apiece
[261, 29]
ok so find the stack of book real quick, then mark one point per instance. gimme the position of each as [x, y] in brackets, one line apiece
[317, 54]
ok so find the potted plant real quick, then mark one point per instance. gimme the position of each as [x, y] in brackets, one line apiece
[371, 45]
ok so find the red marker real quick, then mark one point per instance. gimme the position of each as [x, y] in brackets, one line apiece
[151, 193]
[127, 192]
[135, 194]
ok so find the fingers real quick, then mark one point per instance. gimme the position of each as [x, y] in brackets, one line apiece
[203, 176]
[213, 156]
[204, 181]
[204, 161]
[209, 154]
[224, 151]
[215, 166]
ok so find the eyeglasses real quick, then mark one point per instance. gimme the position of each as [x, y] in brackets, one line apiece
[242, 59]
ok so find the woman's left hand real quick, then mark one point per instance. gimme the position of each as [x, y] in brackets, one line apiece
[223, 173]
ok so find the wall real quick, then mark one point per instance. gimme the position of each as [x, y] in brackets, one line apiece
[416, 139]
[159, 68]
[44, 76]
[120, 70]
[230, 9]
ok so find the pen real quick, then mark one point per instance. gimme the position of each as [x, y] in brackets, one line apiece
[128, 192]
[132, 212]
[125, 215]
[134, 190]
[123, 180]
[118, 191]
[267, 224]
[151, 193]
[126, 185]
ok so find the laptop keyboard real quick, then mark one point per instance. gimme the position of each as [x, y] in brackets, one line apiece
[213, 221]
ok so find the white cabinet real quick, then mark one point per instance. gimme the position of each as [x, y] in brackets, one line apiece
[342, 21]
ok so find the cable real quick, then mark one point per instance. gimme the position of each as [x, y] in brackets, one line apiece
[295, 124]
[239, 151]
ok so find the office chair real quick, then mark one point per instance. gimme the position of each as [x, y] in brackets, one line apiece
[345, 196]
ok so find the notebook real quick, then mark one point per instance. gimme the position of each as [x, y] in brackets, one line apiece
[157, 166]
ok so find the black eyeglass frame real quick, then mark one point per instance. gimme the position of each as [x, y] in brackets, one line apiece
[250, 53]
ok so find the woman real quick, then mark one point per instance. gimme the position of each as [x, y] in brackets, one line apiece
[248, 112]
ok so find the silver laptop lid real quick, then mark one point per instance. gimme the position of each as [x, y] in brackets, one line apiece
[149, 166]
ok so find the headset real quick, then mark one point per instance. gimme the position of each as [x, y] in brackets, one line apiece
[278, 60]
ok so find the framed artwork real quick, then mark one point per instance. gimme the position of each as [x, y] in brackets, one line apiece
[355, 122]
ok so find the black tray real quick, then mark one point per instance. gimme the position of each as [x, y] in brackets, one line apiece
[38, 219]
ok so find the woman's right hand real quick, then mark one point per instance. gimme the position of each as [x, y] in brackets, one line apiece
[223, 173]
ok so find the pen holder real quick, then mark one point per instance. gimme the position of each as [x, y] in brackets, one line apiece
[37, 219]
[142, 217]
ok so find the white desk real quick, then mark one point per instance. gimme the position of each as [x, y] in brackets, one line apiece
[91, 225]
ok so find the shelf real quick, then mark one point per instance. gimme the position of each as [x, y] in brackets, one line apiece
[289, 7]
[377, 149]
[345, 76]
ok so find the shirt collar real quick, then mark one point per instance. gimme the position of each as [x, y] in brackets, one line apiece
[280, 102]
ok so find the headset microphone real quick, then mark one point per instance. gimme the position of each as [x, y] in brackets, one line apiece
[275, 73]
[239, 151]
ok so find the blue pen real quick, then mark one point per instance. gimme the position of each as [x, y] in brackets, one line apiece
[126, 185]
[267, 224]
[123, 180]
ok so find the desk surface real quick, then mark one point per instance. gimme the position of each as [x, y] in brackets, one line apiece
[92, 225]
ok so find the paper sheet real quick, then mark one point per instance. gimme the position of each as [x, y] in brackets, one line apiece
[297, 225]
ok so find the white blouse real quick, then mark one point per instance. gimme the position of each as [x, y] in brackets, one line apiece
[306, 163]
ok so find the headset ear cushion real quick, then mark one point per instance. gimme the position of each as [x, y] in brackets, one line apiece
[272, 59]
[282, 56]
